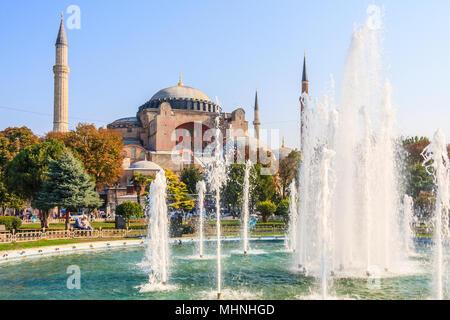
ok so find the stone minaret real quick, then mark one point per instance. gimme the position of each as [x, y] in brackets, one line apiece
[305, 93]
[61, 86]
[256, 122]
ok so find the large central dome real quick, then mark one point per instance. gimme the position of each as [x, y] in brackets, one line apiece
[181, 97]
[180, 92]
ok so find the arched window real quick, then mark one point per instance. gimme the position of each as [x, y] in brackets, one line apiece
[133, 153]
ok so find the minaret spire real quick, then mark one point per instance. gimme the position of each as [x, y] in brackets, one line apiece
[61, 83]
[305, 81]
[304, 94]
[61, 39]
[256, 122]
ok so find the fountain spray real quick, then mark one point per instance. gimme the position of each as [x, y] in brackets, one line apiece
[157, 244]
[324, 197]
[201, 189]
[245, 206]
[293, 217]
[352, 215]
[408, 219]
[438, 165]
[216, 178]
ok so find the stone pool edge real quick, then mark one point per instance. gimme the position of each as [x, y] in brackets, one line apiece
[21, 254]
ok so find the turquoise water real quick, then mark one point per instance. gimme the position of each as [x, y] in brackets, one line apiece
[265, 274]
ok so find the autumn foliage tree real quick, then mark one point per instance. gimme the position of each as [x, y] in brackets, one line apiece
[12, 140]
[100, 151]
[177, 193]
[288, 170]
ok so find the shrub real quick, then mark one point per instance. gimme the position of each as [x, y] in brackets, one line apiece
[283, 208]
[266, 208]
[11, 223]
[129, 209]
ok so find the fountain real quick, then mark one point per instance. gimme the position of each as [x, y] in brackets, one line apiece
[157, 242]
[348, 211]
[201, 189]
[293, 217]
[216, 175]
[245, 206]
[438, 164]
[408, 221]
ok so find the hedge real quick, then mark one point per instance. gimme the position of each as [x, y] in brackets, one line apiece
[11, 223]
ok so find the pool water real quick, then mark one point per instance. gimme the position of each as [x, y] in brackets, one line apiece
[267, 273]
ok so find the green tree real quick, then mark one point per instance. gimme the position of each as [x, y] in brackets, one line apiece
[418, 179]
[128, 210]
[140, 182]
[288, 170]
[67, 186]
[266, 208]
[232, 191]
[190, 176]
[26, 173]
[283, 208]
[177, 193]
[12, 140]
[264, 187]
[9, 200]
[425, 202]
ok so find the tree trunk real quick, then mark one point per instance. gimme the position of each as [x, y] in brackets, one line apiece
[138, 192]
[43, 215]
[266, 217]
[67, 219]
[116, 197]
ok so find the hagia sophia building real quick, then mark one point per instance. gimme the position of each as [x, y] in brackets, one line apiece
[148, 136]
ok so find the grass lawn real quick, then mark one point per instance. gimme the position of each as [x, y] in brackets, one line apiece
[238, 223]
[95, 225]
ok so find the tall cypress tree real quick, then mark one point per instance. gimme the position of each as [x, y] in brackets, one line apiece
[68, 186]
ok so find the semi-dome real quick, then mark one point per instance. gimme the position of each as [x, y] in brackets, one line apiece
[145, 165]
[180, 92]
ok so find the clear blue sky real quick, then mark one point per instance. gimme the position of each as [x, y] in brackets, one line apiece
[126, 51]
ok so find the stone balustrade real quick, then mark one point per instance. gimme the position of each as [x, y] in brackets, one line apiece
[25, 236]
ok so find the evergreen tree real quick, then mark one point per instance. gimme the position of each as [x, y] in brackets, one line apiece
[190, 176]
[67, 186]
[232, 191]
